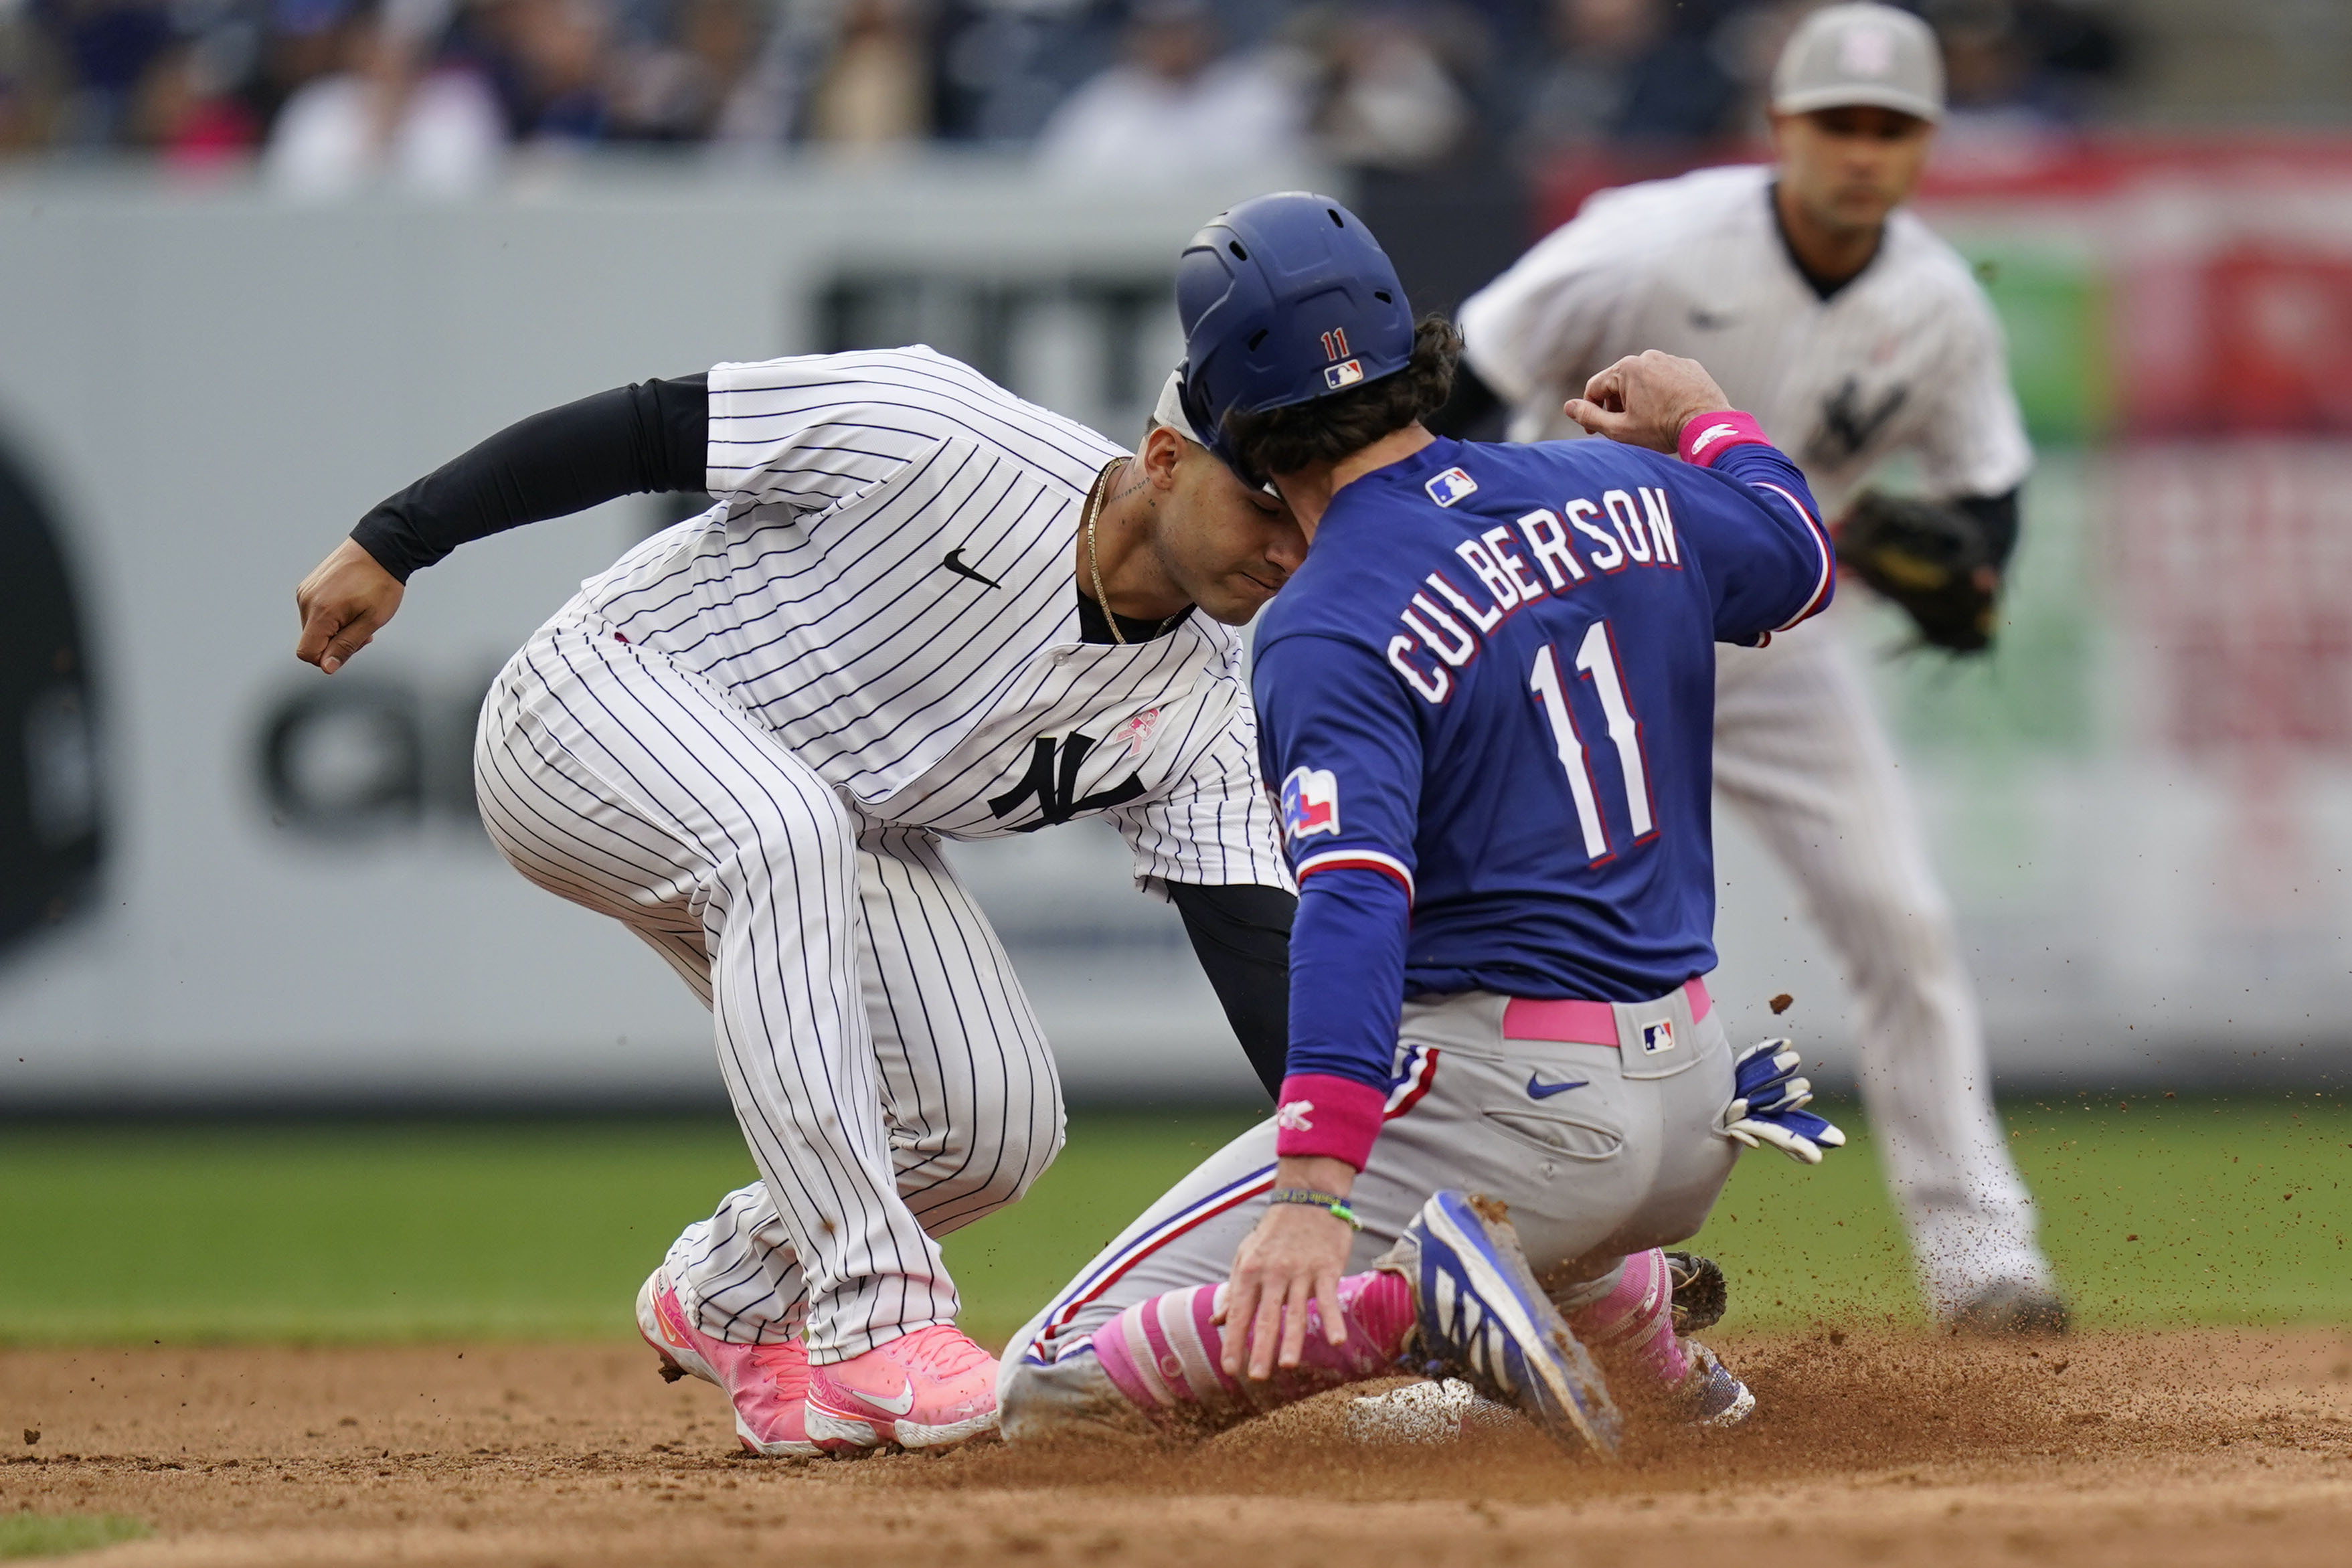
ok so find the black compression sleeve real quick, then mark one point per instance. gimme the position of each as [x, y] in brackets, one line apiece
[1242, 934]
[1997, 514]
[652, 436]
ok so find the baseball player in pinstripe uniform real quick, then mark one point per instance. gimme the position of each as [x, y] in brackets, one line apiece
[1853, 333]
[920, 609]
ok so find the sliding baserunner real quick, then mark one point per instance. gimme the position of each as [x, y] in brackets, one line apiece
[1488, 695]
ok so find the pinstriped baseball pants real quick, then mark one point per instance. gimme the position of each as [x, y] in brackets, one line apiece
[1800, 751]
[885, 1068]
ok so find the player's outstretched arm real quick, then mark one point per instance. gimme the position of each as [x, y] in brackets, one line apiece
[343, 603]
[646, 436]
[1645, 399]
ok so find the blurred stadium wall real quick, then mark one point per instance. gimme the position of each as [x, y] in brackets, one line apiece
[230, 881]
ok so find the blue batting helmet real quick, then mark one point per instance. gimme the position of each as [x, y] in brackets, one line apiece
[1285, 298]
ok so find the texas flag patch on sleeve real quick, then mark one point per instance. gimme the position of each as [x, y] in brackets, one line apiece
[1310, 803]
[1450, 487]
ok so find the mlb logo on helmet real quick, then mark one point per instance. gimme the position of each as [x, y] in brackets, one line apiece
[1345, 374]
[1450, 487]
[1310, 803]
[1658, 1037]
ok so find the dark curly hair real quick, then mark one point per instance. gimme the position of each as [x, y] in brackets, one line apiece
[1325, 429]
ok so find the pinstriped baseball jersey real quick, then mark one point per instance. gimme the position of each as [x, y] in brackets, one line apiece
[1907, 356]
[886, 585]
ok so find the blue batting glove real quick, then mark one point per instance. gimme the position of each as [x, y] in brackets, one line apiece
[1768, 1105]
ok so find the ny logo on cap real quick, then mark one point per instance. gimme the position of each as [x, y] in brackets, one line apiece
[1867, 51]
[1657, 1039]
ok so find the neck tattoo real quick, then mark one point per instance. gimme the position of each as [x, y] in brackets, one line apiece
[1096, 499]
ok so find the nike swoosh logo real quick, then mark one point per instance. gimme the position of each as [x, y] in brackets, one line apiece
[898, 1406]
[1538, 1090]
[1708, 436]
[954, 564]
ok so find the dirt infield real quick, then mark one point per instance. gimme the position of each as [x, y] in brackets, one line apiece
[2148, 1450]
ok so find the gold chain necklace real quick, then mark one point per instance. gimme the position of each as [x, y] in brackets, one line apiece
[1094, 498]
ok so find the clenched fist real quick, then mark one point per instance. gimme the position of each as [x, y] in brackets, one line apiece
[1645, 399]
[343, 604]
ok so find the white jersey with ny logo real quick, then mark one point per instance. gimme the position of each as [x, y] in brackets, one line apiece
[886, 583]
[1906, 357]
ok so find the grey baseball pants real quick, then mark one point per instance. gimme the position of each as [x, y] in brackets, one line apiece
[1599, 1151]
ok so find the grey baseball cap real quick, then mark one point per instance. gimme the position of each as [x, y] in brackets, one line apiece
[1860, 54]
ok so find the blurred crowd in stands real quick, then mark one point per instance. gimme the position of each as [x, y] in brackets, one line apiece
[440, 96]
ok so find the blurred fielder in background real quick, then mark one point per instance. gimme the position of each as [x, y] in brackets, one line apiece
[1853, 333]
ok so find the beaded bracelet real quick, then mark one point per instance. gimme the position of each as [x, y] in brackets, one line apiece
[1331, 1202]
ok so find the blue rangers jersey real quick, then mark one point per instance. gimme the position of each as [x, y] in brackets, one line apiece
[1488, 698]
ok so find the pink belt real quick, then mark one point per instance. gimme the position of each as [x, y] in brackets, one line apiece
[1581, 1023]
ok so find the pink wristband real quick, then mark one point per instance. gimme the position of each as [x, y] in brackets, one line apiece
[1325, 1115]
[1710, 436]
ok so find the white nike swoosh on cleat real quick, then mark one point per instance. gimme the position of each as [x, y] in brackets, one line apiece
[898, 1406]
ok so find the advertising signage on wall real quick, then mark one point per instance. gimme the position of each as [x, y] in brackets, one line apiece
[50, 832]
[2139, 800]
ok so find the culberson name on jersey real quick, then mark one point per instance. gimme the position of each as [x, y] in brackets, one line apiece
[1636, 533]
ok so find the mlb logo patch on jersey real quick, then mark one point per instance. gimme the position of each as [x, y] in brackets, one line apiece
[1450, 487]
[1657, 1039]
[1346, 373]
[1310, 803]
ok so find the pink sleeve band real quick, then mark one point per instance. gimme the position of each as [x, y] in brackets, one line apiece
[1710, 436]
[1322, 1114]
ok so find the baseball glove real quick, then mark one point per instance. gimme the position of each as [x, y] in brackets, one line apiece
[1929, 557]
[1700, 1294]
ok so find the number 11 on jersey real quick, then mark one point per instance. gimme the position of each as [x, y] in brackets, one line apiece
[1596, 661]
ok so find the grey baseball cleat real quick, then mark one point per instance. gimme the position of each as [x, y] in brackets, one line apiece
[1716, 1397]
[1479, 1315]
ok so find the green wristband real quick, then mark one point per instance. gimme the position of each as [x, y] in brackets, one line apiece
[1331, 1202]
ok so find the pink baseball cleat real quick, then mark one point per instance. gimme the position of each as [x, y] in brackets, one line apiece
[928, 1389]
[768, 1384]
